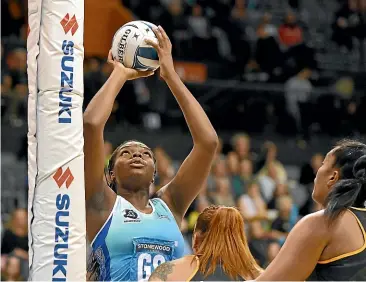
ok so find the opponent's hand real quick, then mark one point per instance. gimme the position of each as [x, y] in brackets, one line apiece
[126, 73]
[164, 49]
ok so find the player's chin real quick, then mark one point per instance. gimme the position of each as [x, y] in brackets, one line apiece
[137, 170]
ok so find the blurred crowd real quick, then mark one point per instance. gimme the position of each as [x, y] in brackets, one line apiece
[248, 43]
[244, 35]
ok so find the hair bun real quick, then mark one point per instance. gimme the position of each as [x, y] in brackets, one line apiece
[359, 169]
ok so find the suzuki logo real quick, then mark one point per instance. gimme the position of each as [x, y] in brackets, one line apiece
[61, 178]
[68, 24]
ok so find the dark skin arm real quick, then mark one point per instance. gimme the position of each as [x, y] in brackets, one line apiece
[193, 173]
[99, 197]
[301, 251]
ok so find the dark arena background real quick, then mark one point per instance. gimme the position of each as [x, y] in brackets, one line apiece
[281, 81]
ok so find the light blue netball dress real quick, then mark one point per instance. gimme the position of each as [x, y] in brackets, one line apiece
[131, 244]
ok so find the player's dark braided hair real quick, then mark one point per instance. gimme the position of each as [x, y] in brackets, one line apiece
[350, 190]
[109, 169]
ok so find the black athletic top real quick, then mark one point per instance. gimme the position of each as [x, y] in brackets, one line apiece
[350, 266]
[218, 275]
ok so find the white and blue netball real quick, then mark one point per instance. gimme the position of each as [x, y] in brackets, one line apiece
[130, 49]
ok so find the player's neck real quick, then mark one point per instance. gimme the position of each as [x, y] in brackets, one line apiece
[139, 199]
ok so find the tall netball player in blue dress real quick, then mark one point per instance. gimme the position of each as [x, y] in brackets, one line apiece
[130, 234]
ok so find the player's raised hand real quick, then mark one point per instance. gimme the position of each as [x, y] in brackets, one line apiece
[164, 49]
[127, 73]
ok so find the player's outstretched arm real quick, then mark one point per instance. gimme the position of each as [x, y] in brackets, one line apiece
[192, 175]
[95, 118]
[301, 251]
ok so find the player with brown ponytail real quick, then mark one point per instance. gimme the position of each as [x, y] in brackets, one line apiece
[221, 251]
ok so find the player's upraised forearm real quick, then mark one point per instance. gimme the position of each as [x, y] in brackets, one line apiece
[202, 131]
[100, 107]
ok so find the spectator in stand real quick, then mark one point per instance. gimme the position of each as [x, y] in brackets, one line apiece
[270, 151]
[348, 23]
[279, 191]
[15, 238]
[240, 183]
[268, 54]
[254, 211]
[218, 170]
[297, 93]
[298, 55]
[269, 28]
[286, 220]
[13, 16]
[6, 95]
[234, 25]
[232, 161]
[202, 42]
[251, 205]
[241, 145]
[290, 33]
[175, 25]
[239, 10]
[223, 195]
[16, 65]
[12, 269]
[14, 80]
[15, 243]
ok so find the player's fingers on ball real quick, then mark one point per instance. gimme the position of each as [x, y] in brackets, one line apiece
[163, 33]
[149, 73]
[152, 43]
[158, 35]
[144, 73]
[110, 57]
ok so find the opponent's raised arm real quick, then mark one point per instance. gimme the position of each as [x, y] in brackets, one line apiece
[95, 118]
[192, 175]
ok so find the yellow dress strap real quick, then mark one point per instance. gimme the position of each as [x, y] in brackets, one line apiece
[353, 252]
[195, 270]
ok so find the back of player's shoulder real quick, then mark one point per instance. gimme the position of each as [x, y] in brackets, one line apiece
[320, 224]
[177, 270]
[317, 223]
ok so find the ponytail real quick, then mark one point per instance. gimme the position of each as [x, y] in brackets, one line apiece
[349, 191]
[224, 242]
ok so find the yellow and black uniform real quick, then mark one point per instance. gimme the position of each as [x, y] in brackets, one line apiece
[350, 266]
[217, 275]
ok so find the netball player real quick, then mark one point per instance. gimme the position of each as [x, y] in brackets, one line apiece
[130, 234]
[330, 244]
[220, 248]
